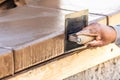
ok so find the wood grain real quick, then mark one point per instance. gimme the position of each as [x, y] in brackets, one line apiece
[69, 64]
[6, 63]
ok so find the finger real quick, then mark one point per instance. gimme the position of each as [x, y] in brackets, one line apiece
[87, 32]
[91, 26]
[95, 43]
[98, 38]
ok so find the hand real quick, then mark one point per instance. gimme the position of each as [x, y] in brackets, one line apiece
[103, 34]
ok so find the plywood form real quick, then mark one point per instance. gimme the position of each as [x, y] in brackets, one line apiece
[114, 19]
[35, 34]
[6, 62]
[69, 64]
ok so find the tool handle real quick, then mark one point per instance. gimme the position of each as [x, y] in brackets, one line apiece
[81, 39]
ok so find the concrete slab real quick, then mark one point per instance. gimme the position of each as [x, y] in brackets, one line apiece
[35, 34]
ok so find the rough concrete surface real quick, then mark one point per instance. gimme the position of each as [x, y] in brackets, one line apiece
[109, 70]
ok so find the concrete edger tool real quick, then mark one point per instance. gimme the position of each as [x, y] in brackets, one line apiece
[74, 23]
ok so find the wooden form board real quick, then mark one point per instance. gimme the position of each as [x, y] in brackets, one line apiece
[114, 18]
[6, 62]
[35, 34]
[69, 64]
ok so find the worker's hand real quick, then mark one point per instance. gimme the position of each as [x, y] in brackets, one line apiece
[104, 34]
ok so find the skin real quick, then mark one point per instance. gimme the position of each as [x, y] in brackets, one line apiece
[103, 34]
[20, 2]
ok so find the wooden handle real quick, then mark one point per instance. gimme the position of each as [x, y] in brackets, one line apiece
[81, 39]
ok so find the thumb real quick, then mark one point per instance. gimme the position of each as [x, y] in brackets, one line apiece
[98, 37]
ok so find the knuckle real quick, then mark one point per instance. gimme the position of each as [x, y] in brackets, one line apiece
[95, 24]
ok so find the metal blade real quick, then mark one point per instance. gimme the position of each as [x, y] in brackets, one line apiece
[74, 22]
